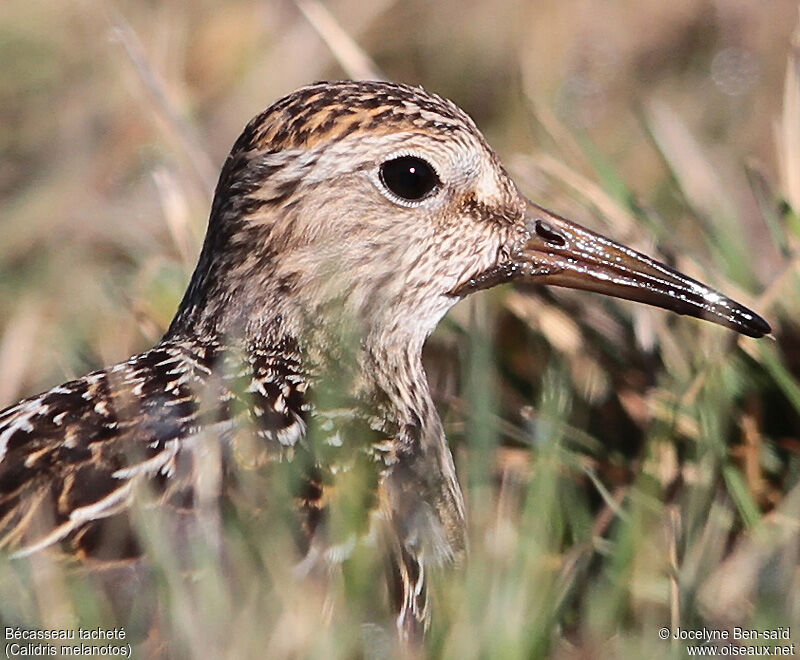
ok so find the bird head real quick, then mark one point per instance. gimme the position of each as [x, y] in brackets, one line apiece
[386, 202]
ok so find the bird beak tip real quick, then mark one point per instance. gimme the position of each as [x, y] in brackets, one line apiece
[562, 253]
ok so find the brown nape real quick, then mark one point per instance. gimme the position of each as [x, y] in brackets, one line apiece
[348, 218]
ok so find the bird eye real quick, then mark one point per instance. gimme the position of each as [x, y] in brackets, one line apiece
[409, 177]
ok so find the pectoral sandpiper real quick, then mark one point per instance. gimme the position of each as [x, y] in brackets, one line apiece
[348, 219]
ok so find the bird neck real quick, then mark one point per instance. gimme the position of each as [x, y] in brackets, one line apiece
[373, 370]
[378, 371]
[394, 367]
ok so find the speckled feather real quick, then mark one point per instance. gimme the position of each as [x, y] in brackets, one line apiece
[70, 456]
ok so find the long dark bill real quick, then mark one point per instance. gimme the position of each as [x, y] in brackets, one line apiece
[562, 253]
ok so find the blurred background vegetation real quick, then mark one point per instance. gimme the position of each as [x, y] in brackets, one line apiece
[625, 469]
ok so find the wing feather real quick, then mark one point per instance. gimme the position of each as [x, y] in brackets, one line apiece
[72, 455]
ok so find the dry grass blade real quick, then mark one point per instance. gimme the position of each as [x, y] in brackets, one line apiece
[698, 180]
[555, 324]
[177, 216]
[350, 56]
[16, 346]
[753, 444]
[788, 138]
[204, 174]
[673, 531]
[559, 134]
[771, 294]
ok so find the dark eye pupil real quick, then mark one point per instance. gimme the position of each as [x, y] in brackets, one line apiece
[409, 177]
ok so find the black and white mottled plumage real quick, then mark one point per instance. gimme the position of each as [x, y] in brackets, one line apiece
[313, 272]
[69, 457]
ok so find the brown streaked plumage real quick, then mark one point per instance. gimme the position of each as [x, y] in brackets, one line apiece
[315, 290]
